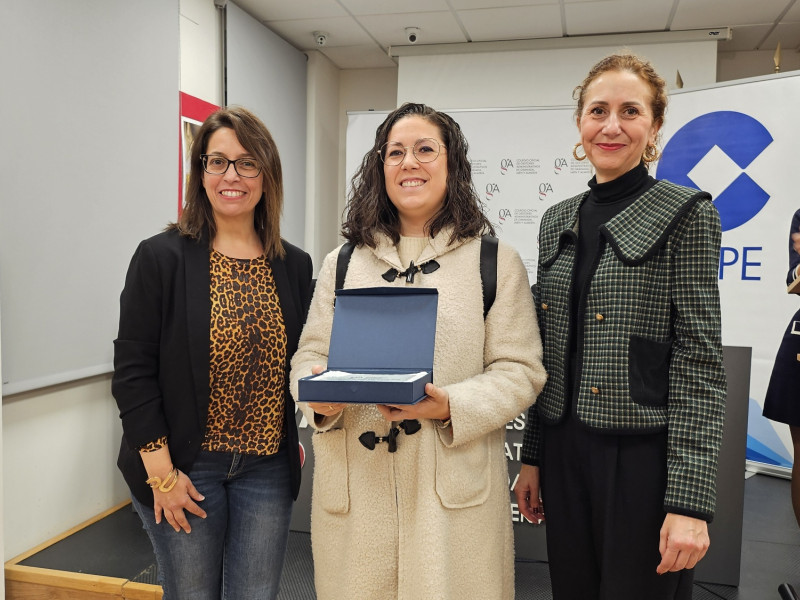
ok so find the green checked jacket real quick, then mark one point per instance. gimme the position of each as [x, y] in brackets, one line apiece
[650, 358]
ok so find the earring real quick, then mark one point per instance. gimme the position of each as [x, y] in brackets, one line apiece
[575, 152]
[650, 153]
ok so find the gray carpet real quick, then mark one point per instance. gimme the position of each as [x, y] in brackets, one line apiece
[118, 546]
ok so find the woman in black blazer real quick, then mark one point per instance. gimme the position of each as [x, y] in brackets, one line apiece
[210, 317]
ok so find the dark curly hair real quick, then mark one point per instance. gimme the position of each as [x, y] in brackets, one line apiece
[369, 210]
[197, 217]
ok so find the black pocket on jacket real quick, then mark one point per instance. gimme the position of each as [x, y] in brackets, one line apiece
[648, 370]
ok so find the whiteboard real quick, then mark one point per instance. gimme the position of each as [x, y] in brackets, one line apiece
[90, 155]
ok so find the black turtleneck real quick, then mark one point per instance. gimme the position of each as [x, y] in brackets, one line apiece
[605, 201]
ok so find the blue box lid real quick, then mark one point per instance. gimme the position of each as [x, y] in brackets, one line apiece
[383, 328]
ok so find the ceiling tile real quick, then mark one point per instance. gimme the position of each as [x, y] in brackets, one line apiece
[281, 10]
[515, 23]
[360, 30]
[616, 16]
[342, 31]
[371, 7]
[434, 28]
[787, 33]
[793, 14]
[701, 14]
[476, 4]
[743, 38]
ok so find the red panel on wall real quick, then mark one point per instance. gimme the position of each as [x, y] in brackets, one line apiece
[193, 112]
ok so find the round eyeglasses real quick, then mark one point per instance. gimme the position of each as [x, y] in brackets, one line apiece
[425, 150]
[217, 165]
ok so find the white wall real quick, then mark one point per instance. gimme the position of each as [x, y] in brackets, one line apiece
[322, 151]
[59, 447]
[201, 50]
[535, 77]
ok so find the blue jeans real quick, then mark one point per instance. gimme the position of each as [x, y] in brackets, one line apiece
[237, 551]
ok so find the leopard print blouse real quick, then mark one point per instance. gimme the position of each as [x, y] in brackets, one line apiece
[248, 358]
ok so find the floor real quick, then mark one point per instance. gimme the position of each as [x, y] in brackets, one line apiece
[770, 552]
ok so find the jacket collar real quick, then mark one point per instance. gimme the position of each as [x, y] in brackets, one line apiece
[437, 246]
[636, 232]
[645, 225]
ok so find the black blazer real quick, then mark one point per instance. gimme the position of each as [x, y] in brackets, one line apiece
[162, 353]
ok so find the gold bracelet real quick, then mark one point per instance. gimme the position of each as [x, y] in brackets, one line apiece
[443, 423]
[157, 482]
[167, 485]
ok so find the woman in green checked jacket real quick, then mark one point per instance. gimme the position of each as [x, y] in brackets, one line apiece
[624, 437]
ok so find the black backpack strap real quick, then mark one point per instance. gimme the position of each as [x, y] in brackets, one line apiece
[342, 262]
[488, 271]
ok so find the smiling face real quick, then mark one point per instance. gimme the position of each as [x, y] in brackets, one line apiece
[616, 123]
[417, 190]
[233, 198]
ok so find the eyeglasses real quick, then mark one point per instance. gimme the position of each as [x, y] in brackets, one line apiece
[425, 150]
[217, 165]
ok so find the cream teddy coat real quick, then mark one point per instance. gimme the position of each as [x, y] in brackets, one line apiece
[431, 521]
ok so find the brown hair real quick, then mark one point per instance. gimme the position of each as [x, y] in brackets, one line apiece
[369, 210]
[632, 64]
[198, 215]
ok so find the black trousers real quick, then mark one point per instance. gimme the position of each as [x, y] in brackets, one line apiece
[603, 501]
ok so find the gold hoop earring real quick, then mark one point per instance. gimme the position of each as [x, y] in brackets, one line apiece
[650, 153]
[575, 152]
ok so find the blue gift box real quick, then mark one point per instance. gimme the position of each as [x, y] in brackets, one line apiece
[382, 342]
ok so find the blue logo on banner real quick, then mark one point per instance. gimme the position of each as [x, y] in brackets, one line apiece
[741, 138]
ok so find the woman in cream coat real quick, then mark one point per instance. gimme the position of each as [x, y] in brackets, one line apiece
[430, 519]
